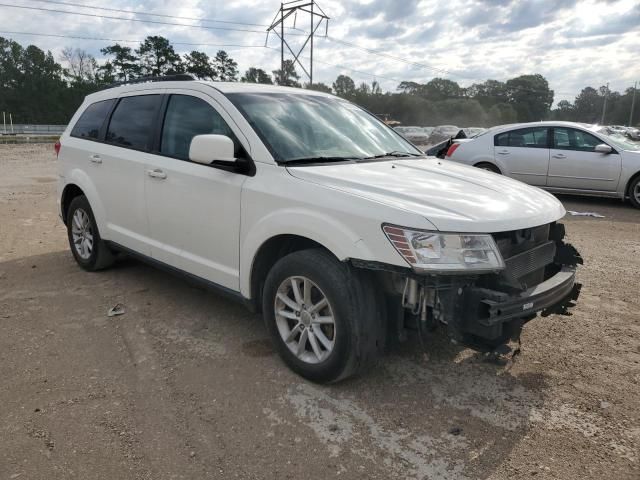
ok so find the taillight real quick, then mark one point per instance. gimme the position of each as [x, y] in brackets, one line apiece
[452, 148]
[57, 147]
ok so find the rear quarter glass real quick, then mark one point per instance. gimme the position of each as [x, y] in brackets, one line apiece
[89, 124]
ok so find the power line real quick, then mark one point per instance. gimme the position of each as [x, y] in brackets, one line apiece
[344, 67]
[150, 14]
[155, 22]
[206, 27]
[127, 41]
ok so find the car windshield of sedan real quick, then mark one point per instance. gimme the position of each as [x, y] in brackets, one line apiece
[298, 127]
[619, 141]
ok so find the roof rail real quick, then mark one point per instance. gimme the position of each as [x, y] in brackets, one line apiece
[181, 77]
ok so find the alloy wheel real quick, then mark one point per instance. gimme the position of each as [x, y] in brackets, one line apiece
[82, 234]
[305, 319]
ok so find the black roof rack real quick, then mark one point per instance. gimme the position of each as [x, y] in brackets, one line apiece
[181, 77]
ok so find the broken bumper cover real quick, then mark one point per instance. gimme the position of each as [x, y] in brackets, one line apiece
[484, 319]
[554, 295]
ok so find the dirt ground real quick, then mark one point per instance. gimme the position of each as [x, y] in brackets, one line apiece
[185, 383]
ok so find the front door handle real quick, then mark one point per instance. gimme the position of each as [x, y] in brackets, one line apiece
[95, 158]
[559, 155]
[503, 152]
[157, 173]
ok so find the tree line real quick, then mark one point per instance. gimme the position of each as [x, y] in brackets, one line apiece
[37, 88]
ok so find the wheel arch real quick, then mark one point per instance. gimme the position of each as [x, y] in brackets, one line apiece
[268, 254]
[78, 182]
[71, 191]
[488, 162]
[627, 188]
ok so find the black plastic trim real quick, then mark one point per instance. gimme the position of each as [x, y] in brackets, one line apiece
[227, 292]
[544, 295]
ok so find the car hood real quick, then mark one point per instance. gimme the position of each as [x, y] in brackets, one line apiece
[453, 197]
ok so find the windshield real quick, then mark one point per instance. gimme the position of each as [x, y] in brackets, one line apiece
[619, 141]
[299, 127]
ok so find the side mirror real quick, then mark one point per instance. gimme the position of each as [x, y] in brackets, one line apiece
[208, 149]
[603, 148]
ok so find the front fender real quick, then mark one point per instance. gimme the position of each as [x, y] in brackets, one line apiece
[341, 240]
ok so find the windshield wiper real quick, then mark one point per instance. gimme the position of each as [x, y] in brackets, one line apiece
[304, 160]
[394, 154]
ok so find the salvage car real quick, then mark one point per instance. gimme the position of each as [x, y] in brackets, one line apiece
[312, 211]
[562, 157]
[416, 135]
[443, 133]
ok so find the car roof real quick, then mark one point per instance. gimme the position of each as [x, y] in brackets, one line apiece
[223, 87]
[546, 123]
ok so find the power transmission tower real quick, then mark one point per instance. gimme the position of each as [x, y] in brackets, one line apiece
[317, 18]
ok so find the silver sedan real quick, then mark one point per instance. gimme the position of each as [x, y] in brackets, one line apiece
[562, 157]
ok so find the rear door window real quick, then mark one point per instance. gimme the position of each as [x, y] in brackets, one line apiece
[525, 137]
[187, 117]
[132, 122]
[90, 122]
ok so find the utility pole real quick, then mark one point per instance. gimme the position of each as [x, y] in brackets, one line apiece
[317, 19]
[604, 105]
[633, 104]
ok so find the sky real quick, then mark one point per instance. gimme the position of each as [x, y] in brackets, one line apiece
[572, 43]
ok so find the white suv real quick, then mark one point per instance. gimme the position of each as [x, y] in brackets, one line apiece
[308, 208]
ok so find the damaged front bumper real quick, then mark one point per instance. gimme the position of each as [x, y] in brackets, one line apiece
[484, 319]
[488, 310]
[554, 295]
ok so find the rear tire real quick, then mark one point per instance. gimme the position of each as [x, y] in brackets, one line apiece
[634, 192]
[343, 337]
[88, 249]
[490, 167]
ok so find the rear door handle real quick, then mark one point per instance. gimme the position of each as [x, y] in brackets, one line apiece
[157, 173]
[559, 155]
[95, 158]
[503, 152]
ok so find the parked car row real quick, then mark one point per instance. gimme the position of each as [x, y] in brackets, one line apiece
[434, 135]
[630, 132]
[562, 157]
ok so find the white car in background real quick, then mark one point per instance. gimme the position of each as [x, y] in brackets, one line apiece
[562, 157]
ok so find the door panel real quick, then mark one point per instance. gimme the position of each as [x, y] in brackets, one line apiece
[194, 209]
[524, 154]
[574, 163]
[120, 185]
[121, 162]
[194, 218]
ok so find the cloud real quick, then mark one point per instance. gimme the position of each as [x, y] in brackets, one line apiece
[615, 24]
[572, 43]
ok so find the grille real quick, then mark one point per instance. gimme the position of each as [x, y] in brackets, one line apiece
[530, 261]
[526, 253]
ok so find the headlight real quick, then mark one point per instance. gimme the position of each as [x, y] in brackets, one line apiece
[450, 252]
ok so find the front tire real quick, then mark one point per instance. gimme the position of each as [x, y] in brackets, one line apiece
[88, 249]
[322, 315]
[634, 192]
